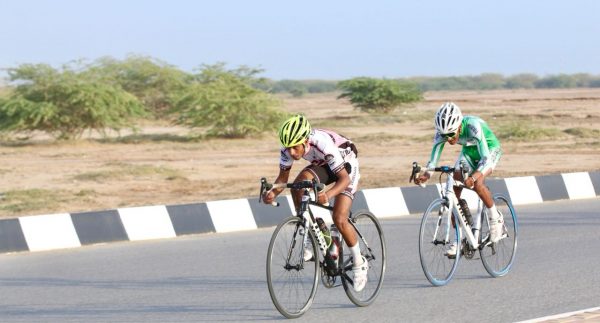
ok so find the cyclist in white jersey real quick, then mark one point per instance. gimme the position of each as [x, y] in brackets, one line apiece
[481, 152]
[333, 159]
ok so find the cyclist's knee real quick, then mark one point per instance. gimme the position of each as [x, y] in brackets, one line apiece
[341, 222]
[458, 176]
[341, 210]
[304, 176]
[481, 188]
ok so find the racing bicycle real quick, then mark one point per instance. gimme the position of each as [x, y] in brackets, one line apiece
[447, 213]
[293, 280]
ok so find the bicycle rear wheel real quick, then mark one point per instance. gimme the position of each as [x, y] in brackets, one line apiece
[292, 281]
[498, 257]
[374, 251]
[434, 237]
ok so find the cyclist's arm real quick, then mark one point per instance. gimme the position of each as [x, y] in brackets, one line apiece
[282, 178]
[285, 165]
[269, 196]
[436, 152]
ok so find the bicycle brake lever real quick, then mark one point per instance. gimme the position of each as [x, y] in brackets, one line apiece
[262, 189]
[416, 169]
[264, 186]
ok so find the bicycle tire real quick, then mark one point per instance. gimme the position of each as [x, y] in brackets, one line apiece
[437, 266]
[292, 287]
[370, 228]
[498, 258]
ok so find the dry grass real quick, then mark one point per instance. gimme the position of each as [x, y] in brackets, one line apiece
[542, 131]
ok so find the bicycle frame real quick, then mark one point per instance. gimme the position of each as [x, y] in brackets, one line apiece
[439, 265]
[308, 217]
[453, 208]
[292, 279]
[312, 221]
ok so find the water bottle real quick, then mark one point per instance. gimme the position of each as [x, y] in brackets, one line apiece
[334, 248]
[466, 211]
[323, 227]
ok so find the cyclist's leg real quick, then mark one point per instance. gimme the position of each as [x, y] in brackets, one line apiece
[484, 193]
[482, 190]
[308, 174]
[343, 204]
[463, 158]
[360, 266]
[472, 157]
[341, 209]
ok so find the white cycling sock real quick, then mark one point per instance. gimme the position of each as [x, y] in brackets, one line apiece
[356, 254]
[492, 212]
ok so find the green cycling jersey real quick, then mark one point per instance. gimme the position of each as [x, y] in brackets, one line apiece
[480, 146]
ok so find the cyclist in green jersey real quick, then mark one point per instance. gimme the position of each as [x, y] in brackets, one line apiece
[481, 152]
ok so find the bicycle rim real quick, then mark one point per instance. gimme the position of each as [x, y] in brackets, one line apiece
[292, 282]
[437, 267]
[498, 257]
[370, 229]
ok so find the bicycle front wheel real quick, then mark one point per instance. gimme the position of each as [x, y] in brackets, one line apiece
[436, 233]
[498, 257]
[292, 281]
[372, 247]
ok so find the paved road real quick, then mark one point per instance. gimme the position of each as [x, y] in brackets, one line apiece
[220, 277]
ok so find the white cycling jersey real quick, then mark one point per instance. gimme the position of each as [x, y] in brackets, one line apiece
[323, 147]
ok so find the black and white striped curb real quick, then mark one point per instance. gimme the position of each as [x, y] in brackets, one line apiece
[68, 230]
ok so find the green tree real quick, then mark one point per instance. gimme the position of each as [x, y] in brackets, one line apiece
[521, 81]
[489, 81]
[225, 102]
[64, 103]
[556, 82]
[378, 95]
[155, 83]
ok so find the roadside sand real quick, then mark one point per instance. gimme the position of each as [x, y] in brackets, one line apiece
[160, 166]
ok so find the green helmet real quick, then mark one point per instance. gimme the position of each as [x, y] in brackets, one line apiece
[294, 131]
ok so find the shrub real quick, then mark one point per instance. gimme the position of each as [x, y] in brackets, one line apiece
[64, 103]
[227, 104]
[378, 95]
[522, 131]
[155, 83]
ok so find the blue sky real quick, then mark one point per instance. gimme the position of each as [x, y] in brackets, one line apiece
[313, 39]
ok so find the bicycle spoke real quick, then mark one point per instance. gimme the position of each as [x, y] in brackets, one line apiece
[434, 240]
[498, 257]
[292, 282]
[372, 246]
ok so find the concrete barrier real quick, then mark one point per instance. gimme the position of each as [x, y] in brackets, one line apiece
[57, 231]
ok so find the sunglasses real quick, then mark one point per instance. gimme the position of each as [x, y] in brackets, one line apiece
[448, 135]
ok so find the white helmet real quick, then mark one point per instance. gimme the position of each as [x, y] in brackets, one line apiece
[448, 118]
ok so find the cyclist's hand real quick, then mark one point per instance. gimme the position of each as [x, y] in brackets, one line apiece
[422, 178]
[323, 198]
[469, 182]
[268, 197]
